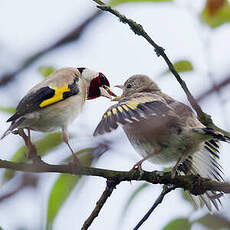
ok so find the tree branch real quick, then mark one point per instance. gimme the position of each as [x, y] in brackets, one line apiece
[139, 30]
[27, 181]
[164, 192]
[73, 35]
[193, 183]
[217, 87]
[110, 186]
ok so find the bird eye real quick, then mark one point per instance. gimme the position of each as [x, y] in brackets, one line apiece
[128, 86]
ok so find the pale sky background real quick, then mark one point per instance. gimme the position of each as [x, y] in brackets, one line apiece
[112, 48]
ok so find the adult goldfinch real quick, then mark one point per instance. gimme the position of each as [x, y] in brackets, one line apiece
[55, 102]
[165, 131]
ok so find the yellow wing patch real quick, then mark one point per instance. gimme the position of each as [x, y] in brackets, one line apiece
[132, 104]
[114, 111]
[58, 96]
[119, 108]
[125, 107]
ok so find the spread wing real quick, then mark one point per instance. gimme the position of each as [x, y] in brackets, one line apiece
[133, 110]
[44, 97]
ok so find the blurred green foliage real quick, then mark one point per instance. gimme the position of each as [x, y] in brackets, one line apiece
[181, 66]
[10, 110]
[64, 185]
[44, 146]
[179, 223]
[132, 197]
[216, 13]
[45, 71]
[214, 222]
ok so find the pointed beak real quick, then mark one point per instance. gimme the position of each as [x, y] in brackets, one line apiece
[106, 92]
[118, 97]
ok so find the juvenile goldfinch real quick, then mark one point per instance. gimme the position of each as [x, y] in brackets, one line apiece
[55, 102]
[165, 131]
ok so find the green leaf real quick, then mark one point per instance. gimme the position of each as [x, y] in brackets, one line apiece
[118, 2]
[134, 194]
[46, 144]
[8, 109]
[187, 197]
[45, 71]
[64, 186]
[167, 169]
[179, 223]
[60, 192]
[216, 16]
[214, 222]
[181, 66]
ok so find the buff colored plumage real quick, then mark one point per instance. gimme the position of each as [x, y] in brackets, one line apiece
[56, 101]
[165, 131]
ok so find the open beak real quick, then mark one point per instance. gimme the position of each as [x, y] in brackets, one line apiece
[107, 92]
[118, 97]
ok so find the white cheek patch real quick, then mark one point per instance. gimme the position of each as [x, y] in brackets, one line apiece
[89, 74]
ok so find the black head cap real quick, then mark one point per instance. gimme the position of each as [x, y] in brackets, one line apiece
[81, 69]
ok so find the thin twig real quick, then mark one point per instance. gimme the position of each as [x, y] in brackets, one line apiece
[215, 88]
[73, 35]
[165, 190]
[27, 181]
[110, 186]
[139, 30]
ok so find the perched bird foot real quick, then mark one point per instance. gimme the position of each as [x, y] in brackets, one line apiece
[138, 167]
[32, 153]
[75, 163]
[76, 160]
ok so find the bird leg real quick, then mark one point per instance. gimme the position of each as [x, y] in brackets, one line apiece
[32, 151]
[65, 138]
[138, 165]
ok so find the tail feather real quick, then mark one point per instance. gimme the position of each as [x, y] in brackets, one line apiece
[218, 136]
[205, 163]
[7, 132]
[13, 126]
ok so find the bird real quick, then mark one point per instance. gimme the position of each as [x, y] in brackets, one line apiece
[166, 132]
[55, 102]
